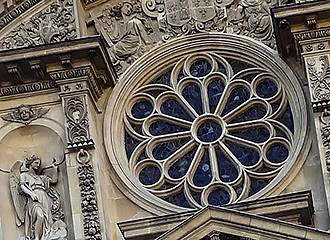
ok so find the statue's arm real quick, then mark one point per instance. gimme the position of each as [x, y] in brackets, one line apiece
[26, 189]
[54, 176]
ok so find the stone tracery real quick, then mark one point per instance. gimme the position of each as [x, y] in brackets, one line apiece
[209, 131]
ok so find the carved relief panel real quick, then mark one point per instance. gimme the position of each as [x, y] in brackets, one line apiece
[134, 27]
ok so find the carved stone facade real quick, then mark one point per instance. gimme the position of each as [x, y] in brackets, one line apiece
[164, 119]
[133, 28]
[54, 24]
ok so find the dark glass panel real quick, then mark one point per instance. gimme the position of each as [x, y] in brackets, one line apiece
[130, 144]
[200, 68]
[192, 94]
[167, 185]
[164, 79]
[237, 96]
[149, 175]
[257, 185]
[277, 153]
[142, 109]
[166, 149]
[178, 199]
[161, 127]
[218, 197]
[253, 134]
[196, 196]
[287, 119]
[280, 133]
[214, 91]
[173, 108]
[237, 65]
[254, 112]
[209, 131]
[181, 166]
[180, 75]
[226, 168]
[203, 174]
[246, 155]
[266, 88]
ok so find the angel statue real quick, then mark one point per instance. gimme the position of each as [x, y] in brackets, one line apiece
[36, 202]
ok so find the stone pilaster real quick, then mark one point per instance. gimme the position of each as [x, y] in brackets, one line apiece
[80, 89]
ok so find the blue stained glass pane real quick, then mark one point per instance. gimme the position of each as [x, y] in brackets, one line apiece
[166, 149]
[164, 79]
[209, 131]
[214, 91]
[130, 144]
[238, 96]
[287, 119]
[255, 134]
[161, 127]
[246, 155]
[238, 66]
[149, 175]
[173, 108]
[200, 68]
[280, 133]
[255, 112]
[277, 153]
[275, 105]
[141, 157]
[180, 75]
[192, 94]
[178, 199]
[226, 168]
[218, 197]
[181, 166]
[239, 188]
[203, 175]
[266, 88]
[142, 108]
[137, 128]
[257, 185]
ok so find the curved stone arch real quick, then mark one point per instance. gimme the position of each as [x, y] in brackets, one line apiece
[51, 124]
[151, 64]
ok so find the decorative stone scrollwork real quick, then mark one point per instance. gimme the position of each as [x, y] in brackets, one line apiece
[133, 27]
[319, 79]
[54, 24]
[325, 135]
[25, 114]
[89, 207]
[215, 235]
[37, 204]
[77, 122]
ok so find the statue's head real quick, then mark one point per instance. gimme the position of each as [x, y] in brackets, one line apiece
[33, 162]
[24, 112]
[127, 8]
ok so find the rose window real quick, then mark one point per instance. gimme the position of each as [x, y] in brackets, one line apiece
[209, 129]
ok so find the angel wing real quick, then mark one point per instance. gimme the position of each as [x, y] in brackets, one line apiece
[19, 200]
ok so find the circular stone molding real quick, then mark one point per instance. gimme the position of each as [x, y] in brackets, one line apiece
[205, 119]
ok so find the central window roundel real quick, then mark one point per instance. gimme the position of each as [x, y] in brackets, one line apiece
[207, 119]
[210, 130]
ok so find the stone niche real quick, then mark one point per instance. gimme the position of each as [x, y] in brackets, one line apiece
[18, 144]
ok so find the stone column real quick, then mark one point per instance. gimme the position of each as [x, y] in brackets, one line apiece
[80, 89]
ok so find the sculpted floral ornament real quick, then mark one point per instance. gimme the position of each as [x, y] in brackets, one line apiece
[36, 202]
[25, 114]
[54, 24]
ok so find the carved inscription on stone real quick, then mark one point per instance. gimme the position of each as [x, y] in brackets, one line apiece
[54, 24]
[133, 27]
[25, 114]
[92, 230]
[36, 203]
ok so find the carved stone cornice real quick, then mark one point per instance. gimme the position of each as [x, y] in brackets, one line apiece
[88, 80]
[16, 12]
[39, 68]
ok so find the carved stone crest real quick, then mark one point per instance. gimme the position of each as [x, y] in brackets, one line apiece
[25, 114]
